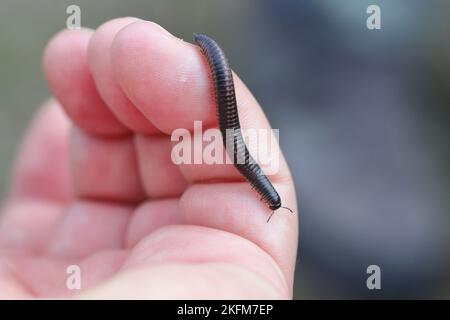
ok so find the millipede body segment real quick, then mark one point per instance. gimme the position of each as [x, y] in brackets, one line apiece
[229, 125]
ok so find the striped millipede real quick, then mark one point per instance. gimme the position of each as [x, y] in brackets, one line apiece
[229, 125]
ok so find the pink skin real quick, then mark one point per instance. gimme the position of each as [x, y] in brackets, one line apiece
[95, 186]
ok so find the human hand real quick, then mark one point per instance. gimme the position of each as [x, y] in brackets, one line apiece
[95, 186]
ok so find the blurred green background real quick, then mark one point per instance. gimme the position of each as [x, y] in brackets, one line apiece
[363, 115]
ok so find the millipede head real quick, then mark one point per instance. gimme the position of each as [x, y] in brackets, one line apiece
[276, 207]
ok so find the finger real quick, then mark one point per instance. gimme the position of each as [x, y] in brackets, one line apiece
[38, 190]
[70, 81]
[109, 90]
[161, 82]
[105, 169]
[46, 142]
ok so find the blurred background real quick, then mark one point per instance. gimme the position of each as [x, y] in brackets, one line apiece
[363, 116]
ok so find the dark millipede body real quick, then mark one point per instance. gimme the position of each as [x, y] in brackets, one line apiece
[229, 122]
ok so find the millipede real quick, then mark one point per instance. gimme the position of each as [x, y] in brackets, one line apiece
[229, 124]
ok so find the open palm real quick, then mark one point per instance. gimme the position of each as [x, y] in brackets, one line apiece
[95, 186]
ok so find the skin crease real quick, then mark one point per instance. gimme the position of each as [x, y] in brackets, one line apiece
[90, 185]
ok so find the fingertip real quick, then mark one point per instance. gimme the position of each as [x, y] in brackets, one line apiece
[99, 62]
[163, 76]
[70, 81]
[62, 37]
